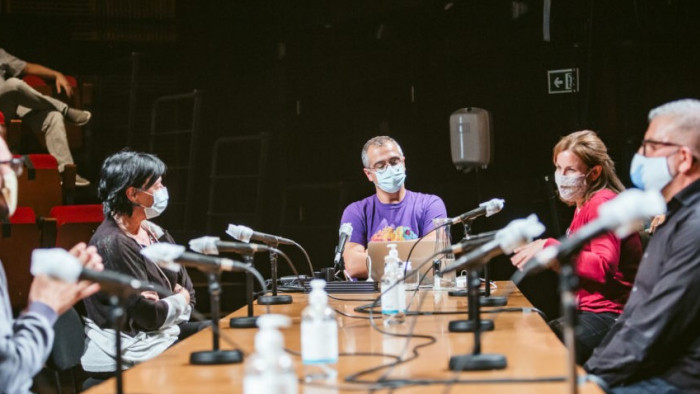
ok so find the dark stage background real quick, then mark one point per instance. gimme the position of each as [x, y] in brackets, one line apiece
[321, 77]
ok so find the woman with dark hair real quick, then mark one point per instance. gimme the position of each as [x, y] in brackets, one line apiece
[132, 192]
[585, 177]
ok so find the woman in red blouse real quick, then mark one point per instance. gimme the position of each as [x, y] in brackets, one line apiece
[585, 177]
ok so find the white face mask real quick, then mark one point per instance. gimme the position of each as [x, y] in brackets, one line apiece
[572, 188]
[391, 178]
[9, 191]
[160, 202]
[650, 173]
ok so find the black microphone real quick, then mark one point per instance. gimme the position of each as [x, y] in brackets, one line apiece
[344, 233]
[516, 233]
[166, 255]
[487, 208]
[245, 234]
[60, 264]
[621, 215]
[470, 243]
[213, 245]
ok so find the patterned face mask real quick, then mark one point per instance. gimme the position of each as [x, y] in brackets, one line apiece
[571, 187]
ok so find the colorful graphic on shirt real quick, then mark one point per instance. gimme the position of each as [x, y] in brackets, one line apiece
[389, 233]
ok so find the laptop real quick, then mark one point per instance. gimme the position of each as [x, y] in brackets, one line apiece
[377, 251]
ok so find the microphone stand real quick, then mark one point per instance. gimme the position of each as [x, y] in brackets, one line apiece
[274, 299]
[250, 320]
[474, 323]
[465, 292]
[215, 356]
[568, 281]
[476, 361]
[115, 318]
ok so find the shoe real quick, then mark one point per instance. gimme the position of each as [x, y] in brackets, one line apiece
[77, 116]
[80, 181]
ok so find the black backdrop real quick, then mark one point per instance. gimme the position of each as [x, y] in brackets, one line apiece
[323, 76]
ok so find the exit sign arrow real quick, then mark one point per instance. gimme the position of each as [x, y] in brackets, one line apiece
[563, 81]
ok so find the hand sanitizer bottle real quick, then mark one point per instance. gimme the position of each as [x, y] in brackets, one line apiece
[270, 369]
[393, 298]
[319, 336]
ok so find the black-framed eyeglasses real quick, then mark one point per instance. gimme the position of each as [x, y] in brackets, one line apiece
[16, 164]
[382, 165]
[643, 145]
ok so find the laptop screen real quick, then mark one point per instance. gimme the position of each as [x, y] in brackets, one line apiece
[377, 251]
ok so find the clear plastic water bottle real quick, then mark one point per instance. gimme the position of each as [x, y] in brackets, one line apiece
[319, 336]
[393, 297]
[270, 369]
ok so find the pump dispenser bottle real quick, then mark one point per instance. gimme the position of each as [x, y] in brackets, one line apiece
[319, 336]
[270, 369]
[393, 290]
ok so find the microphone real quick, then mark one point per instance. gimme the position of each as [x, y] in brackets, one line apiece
[171, 257]
[59, 264]
[620, 215]
[487, 208]
[345, 232]
[214, 245]
[469, 243]
[516, 233]
[245, 234]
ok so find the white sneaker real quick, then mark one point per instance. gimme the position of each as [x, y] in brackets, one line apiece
[80, 181]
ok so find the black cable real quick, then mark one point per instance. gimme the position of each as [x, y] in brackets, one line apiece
[350, 299]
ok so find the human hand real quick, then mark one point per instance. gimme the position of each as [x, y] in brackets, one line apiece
[523, 254]
[59, 295]
[62, 83]
[181, 290]
[150, 295]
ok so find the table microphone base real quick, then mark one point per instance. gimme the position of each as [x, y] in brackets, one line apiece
[463, 293]
[477, 362]
[216, 357]
[468, 325]
[274, 300]
[493, 301]
[243, 322]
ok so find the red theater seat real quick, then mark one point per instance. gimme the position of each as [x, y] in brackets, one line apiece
[19, 237]
[70, 224]
[40, 184]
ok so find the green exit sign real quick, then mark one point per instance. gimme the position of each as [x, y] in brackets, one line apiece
[563, 81]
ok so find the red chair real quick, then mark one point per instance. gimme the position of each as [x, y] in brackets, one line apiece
[40, 184]
[19, 237]
[68, 225]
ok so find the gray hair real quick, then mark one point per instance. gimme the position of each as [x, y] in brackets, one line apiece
[378, 141]
[685, 114]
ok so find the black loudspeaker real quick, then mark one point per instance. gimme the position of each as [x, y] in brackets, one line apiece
[471, 138]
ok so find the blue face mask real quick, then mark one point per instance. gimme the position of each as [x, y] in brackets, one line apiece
[160, 202]
[650, 173]
[391, 178]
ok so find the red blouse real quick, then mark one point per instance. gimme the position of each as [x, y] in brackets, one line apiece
[606, 265]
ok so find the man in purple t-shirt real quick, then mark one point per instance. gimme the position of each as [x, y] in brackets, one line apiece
[393, 213]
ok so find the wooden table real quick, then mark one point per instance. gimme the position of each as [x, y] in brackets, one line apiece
[530, 347]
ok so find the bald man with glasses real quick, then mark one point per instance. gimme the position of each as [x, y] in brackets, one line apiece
[393, 213]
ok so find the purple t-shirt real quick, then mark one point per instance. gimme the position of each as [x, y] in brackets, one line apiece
[373, 220]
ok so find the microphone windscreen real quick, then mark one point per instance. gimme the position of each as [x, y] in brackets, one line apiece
[205, 245]
[241, 233]
[164, 254]
[56, 262]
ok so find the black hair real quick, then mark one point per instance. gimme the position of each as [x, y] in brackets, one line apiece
[123, 170]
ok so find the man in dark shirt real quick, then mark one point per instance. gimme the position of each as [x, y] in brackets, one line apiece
[655, 344]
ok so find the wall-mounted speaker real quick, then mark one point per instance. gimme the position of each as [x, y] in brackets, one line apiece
[471, 138]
